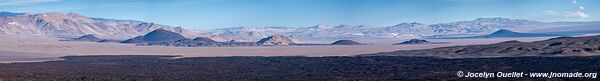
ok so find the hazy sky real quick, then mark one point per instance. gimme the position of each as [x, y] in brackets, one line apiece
[210, 14]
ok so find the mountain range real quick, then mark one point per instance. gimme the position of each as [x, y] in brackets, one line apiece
[476, 27]
[161, 37]
[73, 25]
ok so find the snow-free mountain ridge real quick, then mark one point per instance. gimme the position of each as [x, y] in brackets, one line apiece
[479, 26]
[73, 25]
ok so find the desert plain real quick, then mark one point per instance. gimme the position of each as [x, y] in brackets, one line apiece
[37, 48]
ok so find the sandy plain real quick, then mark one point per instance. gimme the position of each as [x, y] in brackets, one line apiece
[32, 49]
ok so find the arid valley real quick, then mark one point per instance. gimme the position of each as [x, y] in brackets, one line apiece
[299, 40]
[27, 49]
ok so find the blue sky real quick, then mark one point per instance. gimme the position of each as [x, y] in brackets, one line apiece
[211, 14]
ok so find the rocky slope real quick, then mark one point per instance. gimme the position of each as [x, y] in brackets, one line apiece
[73, 25]
[562, 46]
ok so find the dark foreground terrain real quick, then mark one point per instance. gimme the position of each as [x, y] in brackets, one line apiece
[560, 46]
[164, 68]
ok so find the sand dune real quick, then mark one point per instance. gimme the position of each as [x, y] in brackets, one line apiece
[18, 48]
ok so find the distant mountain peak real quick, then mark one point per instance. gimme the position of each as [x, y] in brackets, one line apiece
[500, 19]
[413, 23]
[52, 13]
[410, 24]
[161, 31]
[323, 27]
[205, 39]
[75, 15]
[88, 37]
[413, 41]
[346, 42]
[344, 25]
[364, 26]
[10, 14]
[504, 31]
[492, 19]
[158, 35]
[276, 39]
[72, 13]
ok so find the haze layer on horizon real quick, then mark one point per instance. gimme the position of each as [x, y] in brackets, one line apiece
[211, 14]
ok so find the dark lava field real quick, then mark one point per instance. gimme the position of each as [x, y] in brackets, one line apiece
[368, 68]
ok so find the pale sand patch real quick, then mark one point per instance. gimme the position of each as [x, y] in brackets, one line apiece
[7, 56]
[40, 48]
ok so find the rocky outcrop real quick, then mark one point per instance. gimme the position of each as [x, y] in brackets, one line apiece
[345, 42]
[562, 46]
[275, 40]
